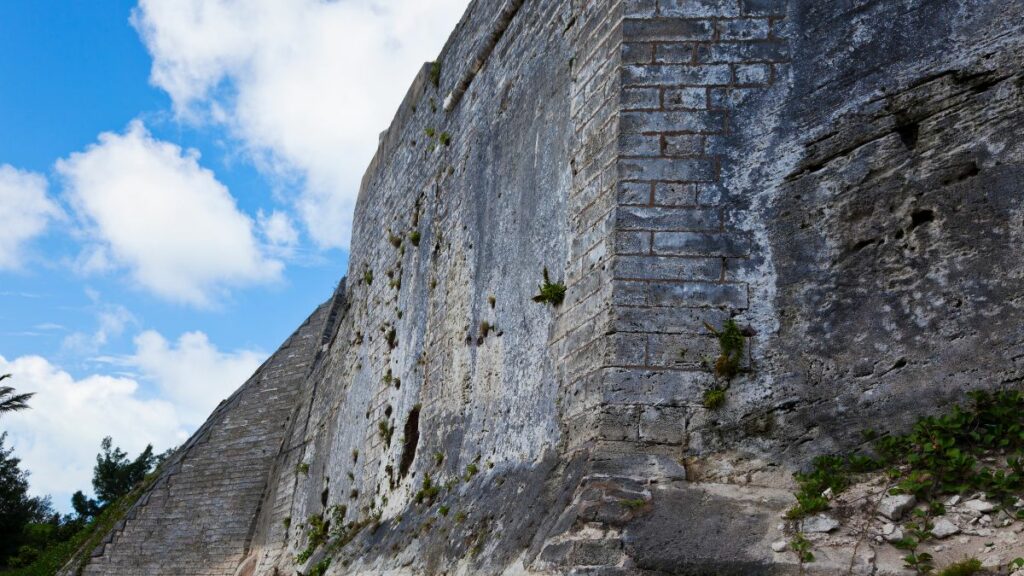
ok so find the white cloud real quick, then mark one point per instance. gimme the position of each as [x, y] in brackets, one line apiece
[279, 232]
[111, 319]
[306, 85]
[58, 438]
[192, 373]
[25, 211]
[149, 206]
[168, 390]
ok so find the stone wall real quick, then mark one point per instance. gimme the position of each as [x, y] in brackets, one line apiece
[204, 504]
[842, 179]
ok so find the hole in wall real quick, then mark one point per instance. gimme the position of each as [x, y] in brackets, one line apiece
[412, 439]
[908, 132]
[921, 217]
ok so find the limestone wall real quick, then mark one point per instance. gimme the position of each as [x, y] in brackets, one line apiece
[842, 179]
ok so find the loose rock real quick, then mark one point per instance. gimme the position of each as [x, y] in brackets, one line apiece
[819, 524]
[894, 507]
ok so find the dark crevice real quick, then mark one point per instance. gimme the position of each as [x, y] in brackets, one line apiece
[921, 217]
[412, 439]
[964, 171]
[908, 132]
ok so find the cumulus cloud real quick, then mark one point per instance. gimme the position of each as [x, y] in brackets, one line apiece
[192, 373]
[163, 393]
[305, 85]
[148, 206]
[59, 437]
[25, 210]
[278, 232]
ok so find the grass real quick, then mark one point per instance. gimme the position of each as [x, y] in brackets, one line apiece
[962, 568]
[428, 492]
[386, 431]
[633, 503]
[714, 398]
[435, 73]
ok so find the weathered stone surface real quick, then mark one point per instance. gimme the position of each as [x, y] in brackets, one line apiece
[841, 178]
[894, 507]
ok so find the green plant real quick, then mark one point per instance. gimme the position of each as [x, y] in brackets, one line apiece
[287, 522]
[445, 139]
[471, 470]
[435, 73]
[392, 338]
[802, 547]
[386, 431]
[438, 458]
[827, 473]
[714, 398]
[918, 531]
[430, 132]
[633, 503]
[355, 456]
[321, 567]
[460, 517]
[940, 456]
[962, 568]
[730, 343]
[368, 276]
[316, 535]
[443, 510]
[414, 237]
[550, 292]
[302, 468]
[428, 492]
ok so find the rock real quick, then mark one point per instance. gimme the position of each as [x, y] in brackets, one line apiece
[992, 561]
[820, 524]
[780, 546]
[894, 507]
[953, 500]
[888, 528]
[828, 494]
[979, 506]
[944, 528]
[896, 535]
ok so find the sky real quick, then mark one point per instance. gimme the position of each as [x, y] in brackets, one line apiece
[177, 180]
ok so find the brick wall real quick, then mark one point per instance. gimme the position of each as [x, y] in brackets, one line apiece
[686, 68]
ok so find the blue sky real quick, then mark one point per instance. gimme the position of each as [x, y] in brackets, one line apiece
[180, 175]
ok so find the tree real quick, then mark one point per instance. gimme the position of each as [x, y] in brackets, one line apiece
[9, 401]
[17, 508]
[114, 475]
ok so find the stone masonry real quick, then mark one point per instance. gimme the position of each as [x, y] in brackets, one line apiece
[842, 179]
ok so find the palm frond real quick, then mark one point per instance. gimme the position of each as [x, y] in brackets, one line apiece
[11, 402]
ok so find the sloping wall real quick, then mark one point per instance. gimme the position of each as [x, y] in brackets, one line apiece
[199, 516]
